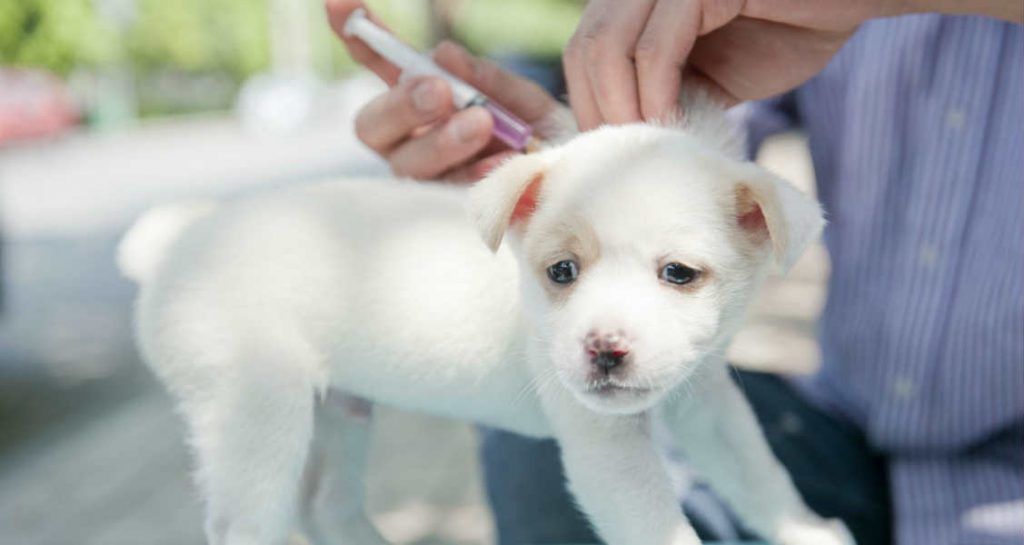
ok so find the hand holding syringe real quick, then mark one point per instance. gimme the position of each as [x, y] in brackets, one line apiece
[508, 128]
[431, 139]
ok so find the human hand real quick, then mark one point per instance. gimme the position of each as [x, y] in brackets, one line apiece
[414, 125]
[628, 60]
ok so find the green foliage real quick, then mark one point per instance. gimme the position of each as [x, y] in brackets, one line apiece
[537, 28]
[231, 36]
[175, 48]
[183, 35]
[200, 36]
[55, 34]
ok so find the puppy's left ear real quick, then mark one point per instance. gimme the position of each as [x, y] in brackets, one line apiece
[770, 209]
[507, 197]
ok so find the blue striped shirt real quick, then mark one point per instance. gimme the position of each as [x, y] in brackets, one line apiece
[917, 135]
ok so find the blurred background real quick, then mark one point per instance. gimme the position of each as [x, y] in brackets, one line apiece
[110, 106]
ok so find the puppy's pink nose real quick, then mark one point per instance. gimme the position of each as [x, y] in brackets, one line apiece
[607, 350]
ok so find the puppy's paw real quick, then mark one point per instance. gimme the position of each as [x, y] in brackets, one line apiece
[814, 531]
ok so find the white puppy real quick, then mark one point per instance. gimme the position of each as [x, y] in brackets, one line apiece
[632, 254]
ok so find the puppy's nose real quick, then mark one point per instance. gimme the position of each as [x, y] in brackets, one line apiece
[606, 361]
[607, 350]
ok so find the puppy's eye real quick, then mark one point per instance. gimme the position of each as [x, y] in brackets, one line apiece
[564, 272]
[679, 274]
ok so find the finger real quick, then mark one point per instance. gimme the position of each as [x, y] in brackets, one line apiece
[661, 53]
[445, 147]
[519, 95]
[392, 117]
[337, 13]
[609, 40]
[581, 99]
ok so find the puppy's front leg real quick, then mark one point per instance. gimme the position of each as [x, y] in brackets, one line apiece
[719, 433]
[334, 491]
[616, 475]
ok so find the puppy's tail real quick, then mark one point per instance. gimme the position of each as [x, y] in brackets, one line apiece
[147, 242]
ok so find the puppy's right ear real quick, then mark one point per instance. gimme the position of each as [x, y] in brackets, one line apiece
[770, 209]
[508, 196]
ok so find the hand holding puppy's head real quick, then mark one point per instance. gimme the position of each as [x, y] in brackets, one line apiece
[642, 246]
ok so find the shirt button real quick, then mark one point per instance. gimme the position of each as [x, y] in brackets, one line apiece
[928, 255]
[955, 118]
[903, 388]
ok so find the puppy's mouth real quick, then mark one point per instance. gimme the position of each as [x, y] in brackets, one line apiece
[614, 395]
[610, 387]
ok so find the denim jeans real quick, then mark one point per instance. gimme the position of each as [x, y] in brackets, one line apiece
[832, 465]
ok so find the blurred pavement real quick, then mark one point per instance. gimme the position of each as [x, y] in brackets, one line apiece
[90, 451]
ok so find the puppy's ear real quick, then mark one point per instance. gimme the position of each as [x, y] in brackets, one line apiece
[508, 195]
[770, 209]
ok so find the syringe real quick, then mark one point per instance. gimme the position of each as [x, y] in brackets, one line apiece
[508, 128]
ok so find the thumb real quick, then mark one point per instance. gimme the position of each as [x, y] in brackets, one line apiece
[519, 95]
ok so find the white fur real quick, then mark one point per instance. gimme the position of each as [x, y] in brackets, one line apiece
[252, 313]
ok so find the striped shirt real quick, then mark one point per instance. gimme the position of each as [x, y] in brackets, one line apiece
[917, 135]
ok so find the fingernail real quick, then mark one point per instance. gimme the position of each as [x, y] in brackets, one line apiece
[426, 95]
[467, 127]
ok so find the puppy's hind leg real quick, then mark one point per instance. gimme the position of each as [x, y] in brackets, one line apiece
[334, 489]
[251, 428]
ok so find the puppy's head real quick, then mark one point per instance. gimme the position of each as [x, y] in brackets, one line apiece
[640, 247]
